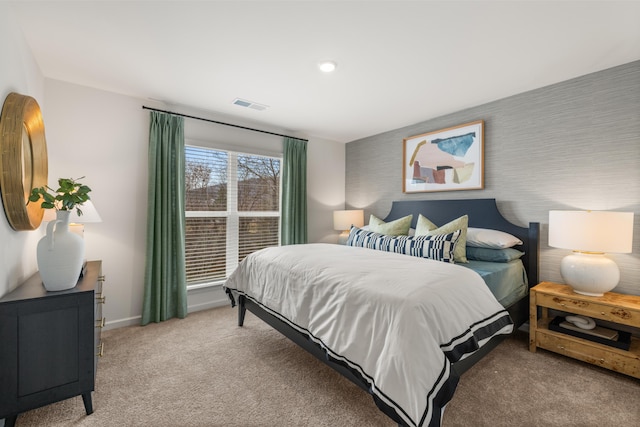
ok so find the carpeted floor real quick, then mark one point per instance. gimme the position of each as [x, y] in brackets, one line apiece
[206, 371]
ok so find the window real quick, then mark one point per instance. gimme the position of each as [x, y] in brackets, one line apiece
[232, 209]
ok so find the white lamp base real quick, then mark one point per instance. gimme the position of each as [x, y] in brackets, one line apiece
[77, 229]
[590, 274]
[343, 237]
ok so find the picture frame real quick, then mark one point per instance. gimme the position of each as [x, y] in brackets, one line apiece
[444, 160]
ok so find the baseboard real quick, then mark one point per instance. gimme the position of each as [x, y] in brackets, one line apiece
[197, 300]
[122, 323]
[207, 305]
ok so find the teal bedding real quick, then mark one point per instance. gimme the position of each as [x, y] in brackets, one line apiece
[507, 280]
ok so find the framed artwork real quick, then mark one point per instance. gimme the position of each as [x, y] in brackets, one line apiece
[444, 160]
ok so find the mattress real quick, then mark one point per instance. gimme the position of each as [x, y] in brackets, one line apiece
[397, 321]
[506, 280]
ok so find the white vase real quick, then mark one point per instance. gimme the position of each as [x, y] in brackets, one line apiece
[60, 255]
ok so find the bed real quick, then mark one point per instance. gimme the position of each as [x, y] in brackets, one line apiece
[428, 337]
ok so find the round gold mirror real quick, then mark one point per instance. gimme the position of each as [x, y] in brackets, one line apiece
[23, 160]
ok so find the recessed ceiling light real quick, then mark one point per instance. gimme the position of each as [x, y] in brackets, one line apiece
[327, 66]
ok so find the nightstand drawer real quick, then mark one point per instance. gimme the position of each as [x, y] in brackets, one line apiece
[626, 362]
[589, 308]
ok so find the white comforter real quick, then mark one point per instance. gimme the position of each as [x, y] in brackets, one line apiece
[398, 320]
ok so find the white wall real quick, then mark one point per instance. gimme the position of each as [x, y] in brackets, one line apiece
[104, 136]
[18, 73]
[571, 145]
[326, 188]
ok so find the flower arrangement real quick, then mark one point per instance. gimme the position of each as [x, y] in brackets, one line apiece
[70, 195]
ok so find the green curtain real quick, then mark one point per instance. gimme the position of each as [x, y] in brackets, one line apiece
[165, 291]
[294, 192]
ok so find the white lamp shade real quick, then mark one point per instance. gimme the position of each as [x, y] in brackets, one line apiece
[343, 220]
[89, 214]
[591, 231]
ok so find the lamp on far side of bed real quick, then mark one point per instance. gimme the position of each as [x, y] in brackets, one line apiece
[343, 220]
[589, 234]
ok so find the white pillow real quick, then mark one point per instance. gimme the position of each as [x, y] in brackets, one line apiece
[488, 238]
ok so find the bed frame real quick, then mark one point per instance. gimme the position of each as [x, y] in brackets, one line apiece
[483, 213]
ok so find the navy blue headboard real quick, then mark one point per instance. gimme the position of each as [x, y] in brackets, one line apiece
[483, 213]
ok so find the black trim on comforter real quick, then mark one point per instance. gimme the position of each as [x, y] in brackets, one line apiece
[447, 383]
[471, 344]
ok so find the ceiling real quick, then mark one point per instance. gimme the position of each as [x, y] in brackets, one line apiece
[399, 63]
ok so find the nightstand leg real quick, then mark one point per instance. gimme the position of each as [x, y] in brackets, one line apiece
[10, 421]
[533, 321]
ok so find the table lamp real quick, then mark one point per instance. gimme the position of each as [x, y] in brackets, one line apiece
[343, 220]
[589, 234]
[76, 222]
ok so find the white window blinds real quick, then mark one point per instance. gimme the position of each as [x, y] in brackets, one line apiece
[232, 209]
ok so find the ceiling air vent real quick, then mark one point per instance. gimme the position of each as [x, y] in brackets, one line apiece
[250, 104]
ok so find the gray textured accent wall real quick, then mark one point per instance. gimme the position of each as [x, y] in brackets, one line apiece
[571, 145]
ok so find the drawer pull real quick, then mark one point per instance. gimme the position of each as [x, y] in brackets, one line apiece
[101, 278]
[100, 349]
[101, 299]
[100, 322]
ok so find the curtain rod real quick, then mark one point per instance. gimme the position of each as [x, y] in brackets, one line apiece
[144, 107]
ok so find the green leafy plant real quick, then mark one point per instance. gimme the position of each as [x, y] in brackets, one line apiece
[70, 195]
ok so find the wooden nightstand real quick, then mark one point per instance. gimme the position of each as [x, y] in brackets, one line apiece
[611, 307]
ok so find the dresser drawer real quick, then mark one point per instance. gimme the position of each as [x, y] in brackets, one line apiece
[626, 362]
[595, 309]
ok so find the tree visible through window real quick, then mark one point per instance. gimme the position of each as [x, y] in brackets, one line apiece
[232, 209]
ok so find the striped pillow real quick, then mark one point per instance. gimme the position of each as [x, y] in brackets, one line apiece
[439, 247]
